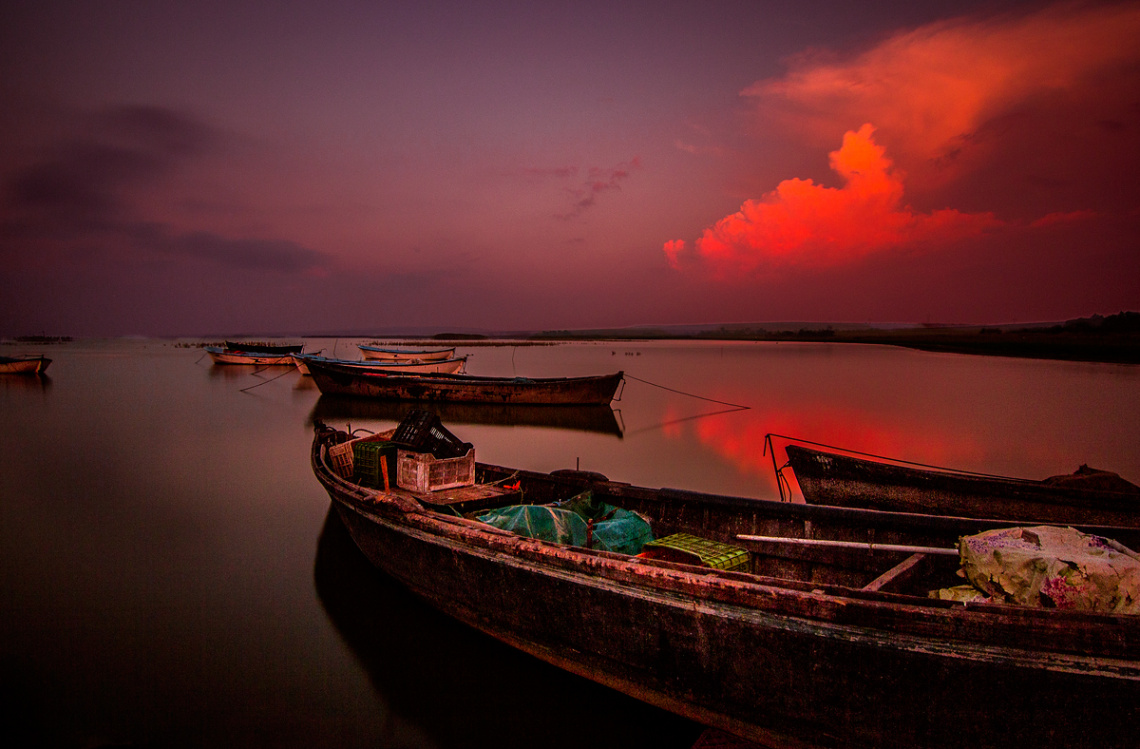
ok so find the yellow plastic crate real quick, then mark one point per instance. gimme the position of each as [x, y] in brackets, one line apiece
[695, 550]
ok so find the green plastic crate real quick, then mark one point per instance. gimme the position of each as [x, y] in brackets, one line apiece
[703, 551]
[367, 460]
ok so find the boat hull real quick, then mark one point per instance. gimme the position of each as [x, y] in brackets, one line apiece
[29, 365]
[773, 662]
[264, 349]
[220, 356]
[395, 355]
[332, 379]
[828, 478]
[442, 366]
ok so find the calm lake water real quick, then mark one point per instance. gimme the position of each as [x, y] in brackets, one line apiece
[171, 575]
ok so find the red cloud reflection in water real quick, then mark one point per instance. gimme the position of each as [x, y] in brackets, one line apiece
[743, 446]
[801, 223]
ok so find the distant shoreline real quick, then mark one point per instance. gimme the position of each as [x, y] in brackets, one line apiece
[1114, 348]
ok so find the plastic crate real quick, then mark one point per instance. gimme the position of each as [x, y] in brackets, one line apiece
[682, 547]
[374, 463]
[340, 458]
[421, 431]
[423, 472]
[341, 455]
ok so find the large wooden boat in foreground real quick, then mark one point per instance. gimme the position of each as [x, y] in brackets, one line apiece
[829, 477]
[336, 379]
[812, 642]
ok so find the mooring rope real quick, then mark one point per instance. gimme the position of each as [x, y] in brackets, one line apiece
[264, 382]
[691, 395]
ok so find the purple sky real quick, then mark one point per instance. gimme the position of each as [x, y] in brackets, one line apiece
[233, 167]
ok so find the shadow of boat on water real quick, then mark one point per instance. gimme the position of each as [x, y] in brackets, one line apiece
[597, 419]
[29, 382]
[462, 688]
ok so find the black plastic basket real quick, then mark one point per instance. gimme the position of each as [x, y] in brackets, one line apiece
[422, 432]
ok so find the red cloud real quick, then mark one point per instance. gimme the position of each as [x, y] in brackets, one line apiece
[938, 91]
[801, 223]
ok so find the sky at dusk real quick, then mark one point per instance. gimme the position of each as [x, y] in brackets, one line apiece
[238, 167]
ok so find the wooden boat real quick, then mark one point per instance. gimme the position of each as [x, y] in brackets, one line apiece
[404, 354]
[810, 643]
[250, 347]
[441, 366]
[336, 379]
[225, 356]
[26, 365]
[596, 418]
[833, 478]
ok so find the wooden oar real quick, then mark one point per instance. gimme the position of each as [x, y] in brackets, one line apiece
[849, 545]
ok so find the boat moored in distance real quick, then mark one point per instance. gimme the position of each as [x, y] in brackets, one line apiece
[226, 356]
[336, 379]
[406, 354]
[439, 366]
[1088, 496]
[259, 347]
[25, 365]
[785, 624]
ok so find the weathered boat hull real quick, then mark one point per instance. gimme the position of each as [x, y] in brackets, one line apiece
[829, 478]
[400, 354]
[333, 379]
[25, 365]
[441, 366]
[788, 663]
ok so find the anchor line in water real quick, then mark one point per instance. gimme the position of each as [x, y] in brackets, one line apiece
[736, 406]
[264, 382]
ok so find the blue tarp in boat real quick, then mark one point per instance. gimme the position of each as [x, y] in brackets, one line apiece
[579, 521]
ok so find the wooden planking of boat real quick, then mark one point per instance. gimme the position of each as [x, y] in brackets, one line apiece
[404, 354]
[226, 356]
[1088, 496]
[439, 366]
[817, 640]
[336, 379]
[25, 365]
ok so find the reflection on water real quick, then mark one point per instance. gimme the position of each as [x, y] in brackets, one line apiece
[600, 419]
[425, 665]
[159, 521]
[25, 382]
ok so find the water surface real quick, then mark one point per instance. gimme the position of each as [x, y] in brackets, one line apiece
[171, 575]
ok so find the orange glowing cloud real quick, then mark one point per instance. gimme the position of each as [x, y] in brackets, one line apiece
[931, 91]
[802, 224]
